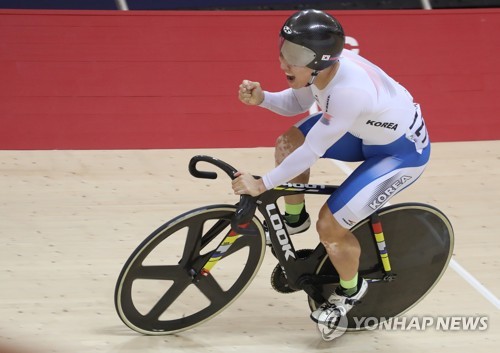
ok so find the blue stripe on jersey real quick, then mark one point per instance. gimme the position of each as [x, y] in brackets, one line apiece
[351, 149]
[379, 160]
[372, 169]
[348, 148]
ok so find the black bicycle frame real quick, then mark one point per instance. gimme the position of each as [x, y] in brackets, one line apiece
[300, 272]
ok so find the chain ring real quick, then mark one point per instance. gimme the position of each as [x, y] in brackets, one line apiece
[279, 282]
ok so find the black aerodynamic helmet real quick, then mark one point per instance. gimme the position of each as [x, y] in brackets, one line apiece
[311, 38]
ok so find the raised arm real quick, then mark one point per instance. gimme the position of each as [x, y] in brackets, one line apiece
[288, 102]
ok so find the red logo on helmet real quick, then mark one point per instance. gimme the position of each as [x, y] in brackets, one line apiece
[329, 58]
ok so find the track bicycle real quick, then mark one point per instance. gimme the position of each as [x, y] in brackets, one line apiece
[194, 266]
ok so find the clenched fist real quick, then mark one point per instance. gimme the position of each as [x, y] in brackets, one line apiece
[251, 93]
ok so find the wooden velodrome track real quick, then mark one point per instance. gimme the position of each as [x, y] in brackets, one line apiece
[70, 219]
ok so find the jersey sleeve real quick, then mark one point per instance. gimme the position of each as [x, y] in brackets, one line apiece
[288, 102]
[346, 106]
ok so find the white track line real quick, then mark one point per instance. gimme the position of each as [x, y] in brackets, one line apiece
[485, 292]
[475, 283]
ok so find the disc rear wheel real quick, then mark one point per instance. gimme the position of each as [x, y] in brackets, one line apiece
[419, 241]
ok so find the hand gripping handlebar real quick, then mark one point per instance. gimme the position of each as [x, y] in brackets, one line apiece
[247, 205]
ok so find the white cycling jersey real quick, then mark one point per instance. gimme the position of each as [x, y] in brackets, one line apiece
[361, 100]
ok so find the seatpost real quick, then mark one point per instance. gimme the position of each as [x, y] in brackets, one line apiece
[378, 234]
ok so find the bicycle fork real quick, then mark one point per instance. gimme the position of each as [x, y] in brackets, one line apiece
[219, 252]
[224, 245]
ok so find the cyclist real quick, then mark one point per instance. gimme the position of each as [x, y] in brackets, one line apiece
[365, 116]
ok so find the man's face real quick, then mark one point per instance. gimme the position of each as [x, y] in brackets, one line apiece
[296, 76]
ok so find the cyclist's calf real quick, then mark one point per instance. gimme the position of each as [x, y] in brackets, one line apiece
[341, 245]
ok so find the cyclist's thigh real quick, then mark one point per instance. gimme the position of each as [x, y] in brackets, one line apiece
[348, 148]
[373, 183]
